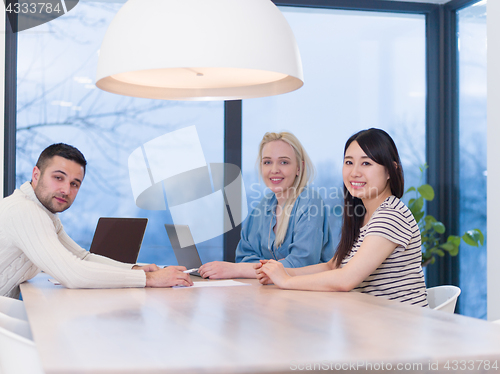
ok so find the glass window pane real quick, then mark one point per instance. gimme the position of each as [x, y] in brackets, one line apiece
[58, 102]
[361, 70]
[472, 124]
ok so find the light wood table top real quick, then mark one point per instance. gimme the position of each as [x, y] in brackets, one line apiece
[247, 329]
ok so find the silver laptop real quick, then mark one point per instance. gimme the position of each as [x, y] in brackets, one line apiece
[119, 238]
[184, 248]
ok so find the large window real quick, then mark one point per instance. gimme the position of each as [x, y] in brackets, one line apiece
[58, 102]
[471, 22]
[361, 70]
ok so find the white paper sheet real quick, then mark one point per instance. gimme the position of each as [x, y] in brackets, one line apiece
[213, 283]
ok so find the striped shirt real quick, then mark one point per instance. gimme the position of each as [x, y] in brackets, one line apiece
[400, 276]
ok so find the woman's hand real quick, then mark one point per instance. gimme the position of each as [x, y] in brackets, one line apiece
[261, 276]
[276, 272]
[218, 270]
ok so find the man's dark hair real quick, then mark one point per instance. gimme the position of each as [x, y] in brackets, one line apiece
[62, 150]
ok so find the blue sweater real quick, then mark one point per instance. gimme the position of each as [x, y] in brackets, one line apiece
[308, 239]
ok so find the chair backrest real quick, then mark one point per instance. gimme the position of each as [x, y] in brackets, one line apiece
[18, 355]
[13, 307]
[17, 326]
[443, 298]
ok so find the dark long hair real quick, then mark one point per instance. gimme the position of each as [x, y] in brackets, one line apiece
[378, 146]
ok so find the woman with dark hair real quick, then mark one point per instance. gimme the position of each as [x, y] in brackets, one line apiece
[379, 251]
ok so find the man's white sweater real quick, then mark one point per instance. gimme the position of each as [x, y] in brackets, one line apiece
[32, 239]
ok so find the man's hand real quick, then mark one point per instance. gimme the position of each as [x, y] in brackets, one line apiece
[217, 270]
[168, 277]
[146, 268]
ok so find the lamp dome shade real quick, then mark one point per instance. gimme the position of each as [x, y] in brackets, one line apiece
[199, 50]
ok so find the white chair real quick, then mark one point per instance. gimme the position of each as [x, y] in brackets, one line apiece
[17, 326]
[18, 355]
[497, 321]
[13, 307]
[443, 298]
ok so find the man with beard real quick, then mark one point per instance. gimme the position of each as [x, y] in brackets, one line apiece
[32, 238]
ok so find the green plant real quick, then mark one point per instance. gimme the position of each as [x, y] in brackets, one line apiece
[431, 229]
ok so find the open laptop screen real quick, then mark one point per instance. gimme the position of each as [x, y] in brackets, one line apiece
[183, 245]
[119, 238]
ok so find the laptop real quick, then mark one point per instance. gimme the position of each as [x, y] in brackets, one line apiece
[119, 238]
[184, 248]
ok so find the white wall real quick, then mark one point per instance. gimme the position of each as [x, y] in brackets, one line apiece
[493, 195]
[2, 91]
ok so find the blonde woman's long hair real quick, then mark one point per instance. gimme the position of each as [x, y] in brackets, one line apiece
[306, 174]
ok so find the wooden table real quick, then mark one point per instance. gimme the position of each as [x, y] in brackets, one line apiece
[247, 329]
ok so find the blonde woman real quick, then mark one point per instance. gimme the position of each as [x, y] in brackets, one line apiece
[290, 225]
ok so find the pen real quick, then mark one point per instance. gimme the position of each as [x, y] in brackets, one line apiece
[190, 271]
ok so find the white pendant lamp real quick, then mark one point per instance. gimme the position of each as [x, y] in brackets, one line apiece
[199, 50]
